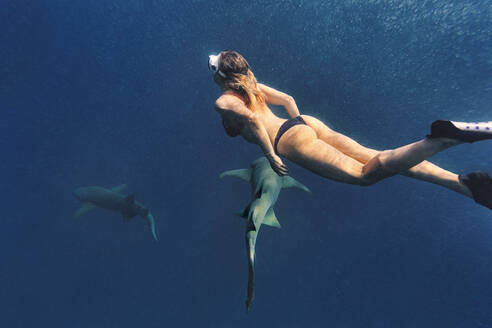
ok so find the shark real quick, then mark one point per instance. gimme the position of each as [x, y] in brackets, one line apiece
[265, 189]
[98, 197]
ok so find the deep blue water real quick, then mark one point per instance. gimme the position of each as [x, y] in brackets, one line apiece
[110, 92]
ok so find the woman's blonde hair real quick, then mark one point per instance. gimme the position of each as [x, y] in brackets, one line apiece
[240, 79]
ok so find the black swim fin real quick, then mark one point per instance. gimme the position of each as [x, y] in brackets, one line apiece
[480, 184]
[462, 131]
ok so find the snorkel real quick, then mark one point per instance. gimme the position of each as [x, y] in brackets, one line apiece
[213, 65]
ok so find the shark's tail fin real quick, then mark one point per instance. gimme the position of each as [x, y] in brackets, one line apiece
[151, 221]
[250, 246]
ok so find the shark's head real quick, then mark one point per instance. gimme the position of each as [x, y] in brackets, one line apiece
[262, 161]
[261, 168]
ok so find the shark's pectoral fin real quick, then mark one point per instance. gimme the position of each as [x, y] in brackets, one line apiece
[86, 207]
[289, 182]
[118, 189]
[244, 174]
[271, 220]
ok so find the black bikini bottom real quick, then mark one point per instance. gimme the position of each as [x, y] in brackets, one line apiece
[284, 127]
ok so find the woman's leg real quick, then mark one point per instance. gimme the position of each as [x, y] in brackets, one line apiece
[395, 161]
[424, 171]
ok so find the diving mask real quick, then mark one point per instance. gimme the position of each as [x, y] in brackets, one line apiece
[213, 65]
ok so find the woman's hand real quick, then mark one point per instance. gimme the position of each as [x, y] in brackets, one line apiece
[277, 165]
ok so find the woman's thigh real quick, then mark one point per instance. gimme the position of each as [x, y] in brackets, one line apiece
[300, 144]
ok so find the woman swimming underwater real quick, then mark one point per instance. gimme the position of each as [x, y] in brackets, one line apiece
[309, 143]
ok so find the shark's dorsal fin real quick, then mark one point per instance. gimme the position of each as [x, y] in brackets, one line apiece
[271, 220]
[119, 188]
[289, 182]
[86, 207]
[130, 199]
[244, 174]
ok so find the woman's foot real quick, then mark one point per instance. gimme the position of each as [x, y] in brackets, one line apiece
[480, 185]
[462, 131]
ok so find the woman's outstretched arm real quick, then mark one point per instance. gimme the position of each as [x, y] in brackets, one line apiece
[276, 97]
[252, 129]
